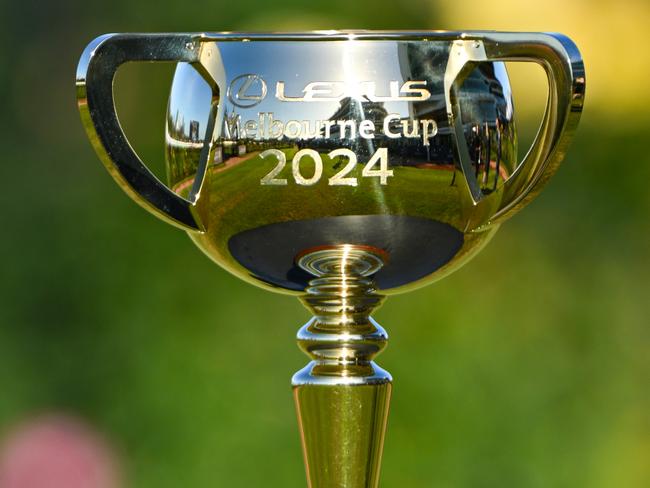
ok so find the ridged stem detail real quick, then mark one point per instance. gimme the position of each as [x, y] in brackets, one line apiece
[342, 396]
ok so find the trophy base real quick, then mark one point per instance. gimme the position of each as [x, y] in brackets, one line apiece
[342, 396]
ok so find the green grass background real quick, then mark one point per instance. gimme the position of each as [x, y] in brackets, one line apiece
[529, 367]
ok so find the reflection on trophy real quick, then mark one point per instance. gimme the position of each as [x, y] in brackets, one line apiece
[340, 167]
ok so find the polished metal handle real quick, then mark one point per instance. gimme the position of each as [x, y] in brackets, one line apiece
[95, 74]
[564, 67]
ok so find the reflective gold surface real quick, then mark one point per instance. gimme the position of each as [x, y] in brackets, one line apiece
[342, 396]
[427, 217]
[404, 141]
[338, 166]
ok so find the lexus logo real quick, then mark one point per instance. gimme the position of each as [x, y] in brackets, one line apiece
[247, 90]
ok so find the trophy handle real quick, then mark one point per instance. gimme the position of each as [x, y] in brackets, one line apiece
[95, 74]
[561, 60]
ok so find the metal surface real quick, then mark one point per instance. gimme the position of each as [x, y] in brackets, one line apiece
[338, 166]
[342, 396]
[465, 177]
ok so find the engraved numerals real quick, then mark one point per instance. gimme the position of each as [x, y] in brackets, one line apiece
[318, 167]
[270, 178]
[377, 166]
[340, 178]
[379, 157]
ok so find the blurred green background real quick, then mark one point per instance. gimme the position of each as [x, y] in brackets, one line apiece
[530, 367]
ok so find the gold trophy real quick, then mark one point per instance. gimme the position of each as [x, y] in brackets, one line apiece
[339, 167]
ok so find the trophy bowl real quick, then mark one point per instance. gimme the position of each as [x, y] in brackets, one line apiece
[338, 166]
[357, 150]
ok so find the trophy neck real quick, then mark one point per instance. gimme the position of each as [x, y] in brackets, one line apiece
[342, 338]
[342, 396]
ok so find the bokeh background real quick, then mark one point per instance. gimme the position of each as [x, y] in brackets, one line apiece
[138, 363]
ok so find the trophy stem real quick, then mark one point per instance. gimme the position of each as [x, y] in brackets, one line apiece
[342, 396]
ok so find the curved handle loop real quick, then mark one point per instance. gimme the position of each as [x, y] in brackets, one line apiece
[95, 75]
[561, 60]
